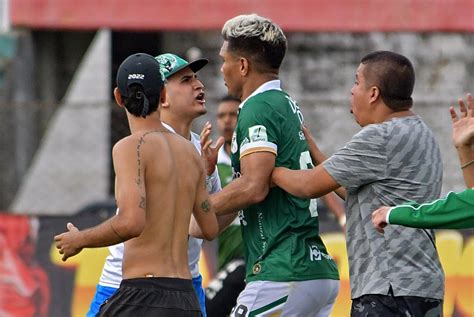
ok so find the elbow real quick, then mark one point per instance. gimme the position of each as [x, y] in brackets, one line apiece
[128, 229]
[211, 232]
[210, 235]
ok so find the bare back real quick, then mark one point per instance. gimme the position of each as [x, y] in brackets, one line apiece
[170, 173]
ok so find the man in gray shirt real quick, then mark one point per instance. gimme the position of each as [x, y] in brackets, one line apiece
[392, 160]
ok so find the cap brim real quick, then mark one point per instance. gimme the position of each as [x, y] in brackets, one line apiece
[195, 66]
[198, 64]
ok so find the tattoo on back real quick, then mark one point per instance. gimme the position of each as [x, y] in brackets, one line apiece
[206, 206]
[142, 204]
[139, 160]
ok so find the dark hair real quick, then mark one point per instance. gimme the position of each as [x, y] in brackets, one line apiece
[229, 98]
[265, 56]
[394, 75]
[137, 103]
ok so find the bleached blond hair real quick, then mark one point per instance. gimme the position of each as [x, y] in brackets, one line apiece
[257, 38]
[253, 25]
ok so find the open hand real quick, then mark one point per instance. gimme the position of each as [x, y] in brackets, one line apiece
[209, 152]
[463, 125]
[68, 242]
[316, 155]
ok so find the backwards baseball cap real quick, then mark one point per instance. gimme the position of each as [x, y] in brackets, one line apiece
[171, 64]
[144, 70]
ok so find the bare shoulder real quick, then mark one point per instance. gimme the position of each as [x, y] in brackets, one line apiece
[124, 146]
[187, 146]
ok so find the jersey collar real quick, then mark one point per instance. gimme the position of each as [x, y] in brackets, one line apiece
[167, 126]
[269, 85]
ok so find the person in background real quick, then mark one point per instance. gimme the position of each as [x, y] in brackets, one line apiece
[223, 289]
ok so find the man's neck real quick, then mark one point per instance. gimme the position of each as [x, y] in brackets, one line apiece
[256, 80]
[150, 123]
[400, 114]
[180, 126]
[227, 147]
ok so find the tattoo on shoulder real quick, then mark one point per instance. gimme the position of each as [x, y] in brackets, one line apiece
[139, 160]
[142, 204]
[206, 206]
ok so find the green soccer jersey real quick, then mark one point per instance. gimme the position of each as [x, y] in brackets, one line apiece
[281, 233]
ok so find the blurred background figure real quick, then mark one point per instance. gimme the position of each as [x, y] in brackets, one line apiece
[222, 291]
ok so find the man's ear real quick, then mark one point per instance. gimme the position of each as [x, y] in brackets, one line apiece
[118, 98]
[164, 102]
[374, 93]
[244, 66]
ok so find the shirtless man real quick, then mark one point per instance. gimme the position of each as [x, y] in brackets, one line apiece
[185, 101]
[155, 195]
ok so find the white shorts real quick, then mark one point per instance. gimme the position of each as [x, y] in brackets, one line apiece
[313, 298]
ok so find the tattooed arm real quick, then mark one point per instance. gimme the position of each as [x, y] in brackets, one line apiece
[130, 197]
[203, 221]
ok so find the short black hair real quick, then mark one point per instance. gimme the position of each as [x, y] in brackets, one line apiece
[264, 55]
[394, 75]
[138, 104]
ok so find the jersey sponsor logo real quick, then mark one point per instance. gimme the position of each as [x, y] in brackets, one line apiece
[258, 133]
[233, 147]
[316, 255]
[302, 137]
[136, 76]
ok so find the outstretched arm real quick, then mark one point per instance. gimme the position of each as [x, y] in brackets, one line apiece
[318, 157]
[463, 137]
[312, 183]
[456, 211]
[130, 195]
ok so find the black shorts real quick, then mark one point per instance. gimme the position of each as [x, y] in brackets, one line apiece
[375, 305]
[154, 296]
